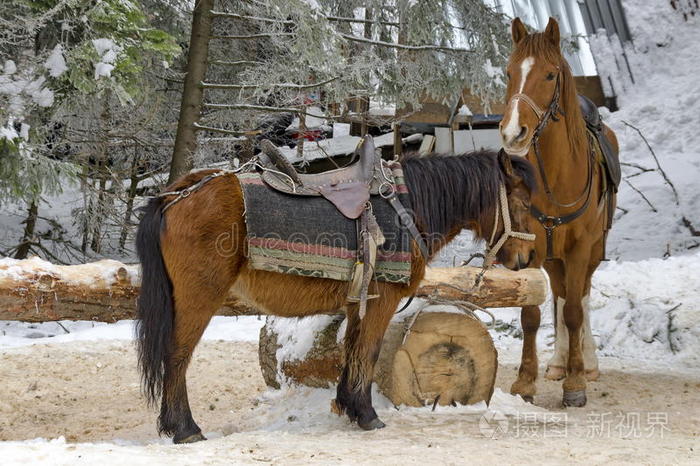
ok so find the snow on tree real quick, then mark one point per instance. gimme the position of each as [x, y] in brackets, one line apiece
[327, 51]
[68, 66]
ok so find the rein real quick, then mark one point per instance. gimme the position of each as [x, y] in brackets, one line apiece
[553, 112]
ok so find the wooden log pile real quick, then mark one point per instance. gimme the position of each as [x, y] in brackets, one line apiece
[34, 290]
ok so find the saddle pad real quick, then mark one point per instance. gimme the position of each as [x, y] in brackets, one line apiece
[308, 236]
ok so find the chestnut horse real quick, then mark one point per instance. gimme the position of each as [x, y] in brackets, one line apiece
[185, 281]
[543, 122]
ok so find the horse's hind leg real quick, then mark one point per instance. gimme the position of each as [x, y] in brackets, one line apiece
[192, 314]
[363, 340]
[199, 289]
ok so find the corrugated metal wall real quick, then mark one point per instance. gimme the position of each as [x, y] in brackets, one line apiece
[605, 14]
[536, 13]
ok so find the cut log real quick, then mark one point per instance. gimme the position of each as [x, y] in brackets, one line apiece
[499, 287]
[34, 290]
[445, 358]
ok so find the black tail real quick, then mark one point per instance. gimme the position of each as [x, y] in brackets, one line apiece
[154, 327]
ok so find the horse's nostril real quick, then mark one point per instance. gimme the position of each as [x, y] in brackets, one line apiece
[523, 132]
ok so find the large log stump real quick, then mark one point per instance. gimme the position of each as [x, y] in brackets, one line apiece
[445, 358]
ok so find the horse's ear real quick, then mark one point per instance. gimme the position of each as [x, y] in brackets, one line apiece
[518, 30]
[552, 31]
[506, 164]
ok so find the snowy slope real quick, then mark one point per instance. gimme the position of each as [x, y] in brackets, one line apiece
[664, 105]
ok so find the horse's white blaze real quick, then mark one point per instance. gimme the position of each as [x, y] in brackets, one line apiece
[513, 127]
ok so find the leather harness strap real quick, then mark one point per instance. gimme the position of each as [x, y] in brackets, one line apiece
[407, 220]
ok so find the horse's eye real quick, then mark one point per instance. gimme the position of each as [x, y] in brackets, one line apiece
[550, 76]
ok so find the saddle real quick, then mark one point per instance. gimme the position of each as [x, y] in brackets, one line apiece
[348, 188]
[595, 126]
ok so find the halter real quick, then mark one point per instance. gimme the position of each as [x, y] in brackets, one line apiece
[553, 111]
[502, 209]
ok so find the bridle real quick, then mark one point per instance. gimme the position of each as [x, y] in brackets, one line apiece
[553, 112]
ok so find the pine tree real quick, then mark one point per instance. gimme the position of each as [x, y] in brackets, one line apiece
[72, 72]
[394, 52]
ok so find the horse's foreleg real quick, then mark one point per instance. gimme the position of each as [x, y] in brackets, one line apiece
[363, 339]
[590, 359]
[527, 375]
[556, 366]
[575, 382]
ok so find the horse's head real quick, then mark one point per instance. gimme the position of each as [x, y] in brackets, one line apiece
[535, 71]
[507, 229]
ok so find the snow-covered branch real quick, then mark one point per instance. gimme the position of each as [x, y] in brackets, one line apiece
[255, 86]
[439, 48]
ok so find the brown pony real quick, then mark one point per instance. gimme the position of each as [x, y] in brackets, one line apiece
[543, 122]
[185, 281]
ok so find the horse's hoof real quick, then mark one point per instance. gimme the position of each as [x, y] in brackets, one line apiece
[198, 437]
[528, 399]
[375, 423]
[555, 373]
[575, 399]
[592, 375]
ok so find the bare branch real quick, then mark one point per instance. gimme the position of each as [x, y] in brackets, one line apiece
[225, 131]
[225, 14]
[235, 63]
[656, 159]
[641, 194]
[264, 108]
[252, 36]
[255, 86]
[689, 225]
[341, 19]
[438, 48]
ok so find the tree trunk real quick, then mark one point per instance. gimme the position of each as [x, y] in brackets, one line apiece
[34, 290]
[442, 358]
[192, 93]
[302, 133]
[133, 188]
[29, 225]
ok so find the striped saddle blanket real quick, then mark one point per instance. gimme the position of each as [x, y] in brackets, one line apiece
[308, 236]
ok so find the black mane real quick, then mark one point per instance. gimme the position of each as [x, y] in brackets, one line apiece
[450, 190]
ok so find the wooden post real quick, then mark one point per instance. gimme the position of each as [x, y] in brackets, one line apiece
[192, 93]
